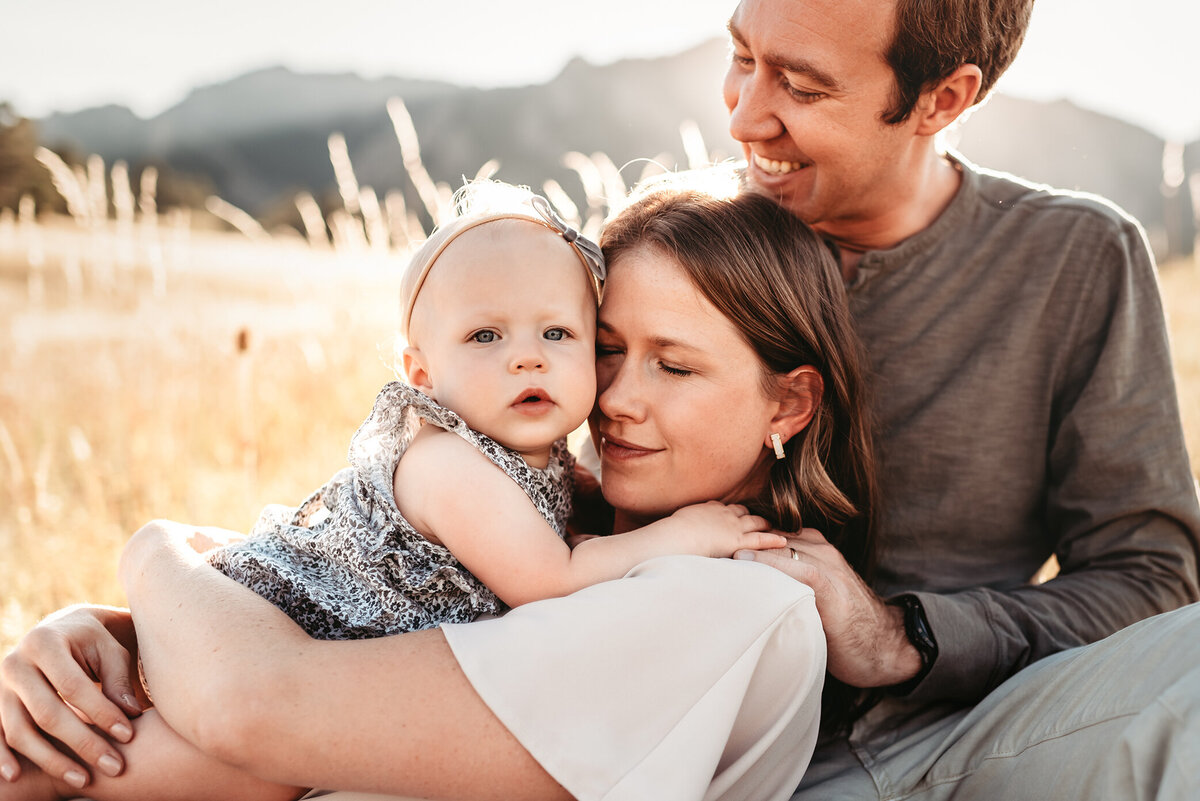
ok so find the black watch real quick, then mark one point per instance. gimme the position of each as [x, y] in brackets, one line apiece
[916, 628]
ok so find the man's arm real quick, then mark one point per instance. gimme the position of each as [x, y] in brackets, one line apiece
[86, 654]
[1118, 504]
[1120, 501]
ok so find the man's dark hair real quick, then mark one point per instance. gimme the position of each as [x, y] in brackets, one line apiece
[933, 38]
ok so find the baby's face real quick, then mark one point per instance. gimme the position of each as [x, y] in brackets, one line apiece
[505, 331]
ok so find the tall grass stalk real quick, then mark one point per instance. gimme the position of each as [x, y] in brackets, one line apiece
[410, 152]
[236, 217]
[343, 171]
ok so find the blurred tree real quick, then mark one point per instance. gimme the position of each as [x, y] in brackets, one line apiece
[20, 171]
[177, 189]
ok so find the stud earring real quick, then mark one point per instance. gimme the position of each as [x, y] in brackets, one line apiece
[777, 444]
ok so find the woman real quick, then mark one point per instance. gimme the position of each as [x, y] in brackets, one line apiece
[727, 369]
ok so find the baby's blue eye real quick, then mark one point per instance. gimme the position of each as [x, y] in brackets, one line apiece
[555, 334]
[484, 336]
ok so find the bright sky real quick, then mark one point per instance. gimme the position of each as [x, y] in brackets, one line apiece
[1135, 60]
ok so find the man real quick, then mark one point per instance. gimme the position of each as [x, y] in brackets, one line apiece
[1027, 408]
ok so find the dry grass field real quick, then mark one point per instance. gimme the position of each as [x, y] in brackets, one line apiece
[239, 380]
[199, 375]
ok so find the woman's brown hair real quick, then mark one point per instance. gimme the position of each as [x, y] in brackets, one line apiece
[777, 282]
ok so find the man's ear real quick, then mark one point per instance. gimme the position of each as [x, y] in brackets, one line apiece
[416, 370]
[945, 102]
[800, 393]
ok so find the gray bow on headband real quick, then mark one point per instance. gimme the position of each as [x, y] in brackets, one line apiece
[588, 249]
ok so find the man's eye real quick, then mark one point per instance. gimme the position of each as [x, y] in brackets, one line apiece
[802, 95]
[555, 334]
[484, 336]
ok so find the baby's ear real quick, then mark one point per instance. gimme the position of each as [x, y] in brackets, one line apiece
[416, 370]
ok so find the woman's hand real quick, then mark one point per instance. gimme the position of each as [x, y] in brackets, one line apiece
[865, 636]
[54, 671]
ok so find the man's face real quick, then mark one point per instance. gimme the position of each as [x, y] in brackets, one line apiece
[806, 89]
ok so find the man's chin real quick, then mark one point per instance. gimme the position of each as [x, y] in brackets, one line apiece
[783, 195]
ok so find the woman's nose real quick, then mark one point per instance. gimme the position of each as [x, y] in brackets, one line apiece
[751, 118]
[620, 396]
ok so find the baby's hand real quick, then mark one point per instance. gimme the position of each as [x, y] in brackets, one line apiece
[718, 529]
[205, 538]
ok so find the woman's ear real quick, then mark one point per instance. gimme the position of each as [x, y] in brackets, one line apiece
[800, 393]
[945, 102]
[416, 370]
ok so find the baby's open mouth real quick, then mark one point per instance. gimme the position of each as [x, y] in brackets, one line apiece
[533, 396]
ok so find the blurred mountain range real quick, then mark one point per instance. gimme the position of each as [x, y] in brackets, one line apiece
[262, 137]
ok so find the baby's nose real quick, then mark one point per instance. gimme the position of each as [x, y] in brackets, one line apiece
[528, 360]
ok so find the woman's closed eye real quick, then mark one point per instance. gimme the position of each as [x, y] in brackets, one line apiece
[673, 370]
[603, 350]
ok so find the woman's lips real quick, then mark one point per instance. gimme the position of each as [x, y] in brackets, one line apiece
[620, 450]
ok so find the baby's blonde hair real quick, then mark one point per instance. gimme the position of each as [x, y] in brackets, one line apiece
[485, 201]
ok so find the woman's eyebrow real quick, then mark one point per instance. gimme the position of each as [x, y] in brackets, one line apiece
[661, 342]
[795, 65]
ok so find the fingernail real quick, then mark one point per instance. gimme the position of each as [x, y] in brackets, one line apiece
[110, 765]
[744, 555]
[75, 779]
[131, 702]
[122, 732]
[8, 772]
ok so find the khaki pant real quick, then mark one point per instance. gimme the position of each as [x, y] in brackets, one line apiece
[1118, 719]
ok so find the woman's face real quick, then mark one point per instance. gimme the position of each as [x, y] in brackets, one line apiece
[681, 416]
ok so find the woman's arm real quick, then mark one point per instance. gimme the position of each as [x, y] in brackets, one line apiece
[235, 676]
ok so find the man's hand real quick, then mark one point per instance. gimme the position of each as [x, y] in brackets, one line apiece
[865, 636]
[48, 689]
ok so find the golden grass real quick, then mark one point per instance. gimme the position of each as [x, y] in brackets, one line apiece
[1181, 296]
[241, 383]
[237, 383]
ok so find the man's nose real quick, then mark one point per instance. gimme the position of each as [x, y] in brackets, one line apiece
[751, 116]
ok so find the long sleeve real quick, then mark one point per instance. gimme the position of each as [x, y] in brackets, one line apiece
[1047, 423]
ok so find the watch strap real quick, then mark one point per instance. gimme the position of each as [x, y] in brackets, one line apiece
[916, 628]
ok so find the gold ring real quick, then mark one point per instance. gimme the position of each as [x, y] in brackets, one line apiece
[795, 555]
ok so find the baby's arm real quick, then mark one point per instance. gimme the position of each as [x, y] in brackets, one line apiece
[159, 766]
[499, 536]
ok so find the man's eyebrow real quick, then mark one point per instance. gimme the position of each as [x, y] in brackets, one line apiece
[791, 64]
